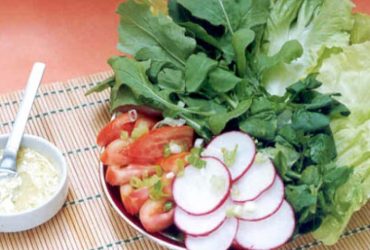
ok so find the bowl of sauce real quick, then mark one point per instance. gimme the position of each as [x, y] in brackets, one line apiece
[38, 191]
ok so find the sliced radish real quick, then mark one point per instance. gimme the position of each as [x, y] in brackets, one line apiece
[271, 232]
[221, 239]
[200, 225]
[234, 140]
[202, 191]
[258, 178]
[266, 204]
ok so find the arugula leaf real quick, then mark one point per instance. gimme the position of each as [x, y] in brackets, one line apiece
[218, 12]
[201, 104]
[255, 12]
[218, 122]
[198, 124]
[222, 80]
[133, 74]
[171, 79]
[289, 51]
[240, 41]
[232, 15]
[197, 68]
[158, 34]
[122, 95]
[101, 86]
[200, 33]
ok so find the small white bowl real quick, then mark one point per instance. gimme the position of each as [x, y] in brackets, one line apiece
[36, 216]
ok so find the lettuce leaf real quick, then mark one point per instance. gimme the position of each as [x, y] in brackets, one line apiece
[316, 24]
[361, 29]
[348, 73]
[348, 199]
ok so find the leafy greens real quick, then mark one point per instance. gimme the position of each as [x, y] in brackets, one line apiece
[252, 65]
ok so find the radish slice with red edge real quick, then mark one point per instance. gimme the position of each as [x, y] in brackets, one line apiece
[266, 204]
[200, 225]
[269, 233]
[255, 181]
[202, 191]
[242, 143]
[221, 239]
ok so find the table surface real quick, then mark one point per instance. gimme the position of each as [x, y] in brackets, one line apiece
[73, 38]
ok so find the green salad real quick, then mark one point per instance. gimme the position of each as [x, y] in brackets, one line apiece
[294, 74]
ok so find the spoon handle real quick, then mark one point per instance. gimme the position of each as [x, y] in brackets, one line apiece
[29, 95]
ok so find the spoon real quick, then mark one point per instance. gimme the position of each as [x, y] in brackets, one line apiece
[8, 166]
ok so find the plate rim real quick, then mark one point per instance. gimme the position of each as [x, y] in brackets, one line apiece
[126, 219]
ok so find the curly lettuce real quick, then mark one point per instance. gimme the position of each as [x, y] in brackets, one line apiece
[348, 73]
[315, 24]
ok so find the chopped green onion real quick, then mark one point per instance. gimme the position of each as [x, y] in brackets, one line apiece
[124, 135]
[140, 130]
[180, 164]
[150, 181]
[170, 122]
[218, 183]
[261, 158]
[168, 206]
[230, 155]
[234, 211]
[158, 170]
[156, 191]
[135, 182]
[194, 158]
[166, 150]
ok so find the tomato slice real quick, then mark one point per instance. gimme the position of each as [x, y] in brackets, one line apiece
[113, 129]
[171, 164]
[132, 199]
[117, 176]
[148, 149]
[153, 216]
[115, 153]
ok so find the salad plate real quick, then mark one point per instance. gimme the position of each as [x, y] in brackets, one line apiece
[233, 118]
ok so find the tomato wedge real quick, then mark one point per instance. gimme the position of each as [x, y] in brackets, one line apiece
[115, 153]
[132, 199]
[148, 149]
[171, 164]
[117, 176]
[113, 129]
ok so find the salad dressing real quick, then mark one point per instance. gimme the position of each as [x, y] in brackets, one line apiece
[35, 183]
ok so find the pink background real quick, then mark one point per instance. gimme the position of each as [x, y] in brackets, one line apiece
[73, 38]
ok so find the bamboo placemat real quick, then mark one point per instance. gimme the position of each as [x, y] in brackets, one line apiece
[67, 118]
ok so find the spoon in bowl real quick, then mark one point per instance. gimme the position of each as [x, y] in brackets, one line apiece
[8, 166]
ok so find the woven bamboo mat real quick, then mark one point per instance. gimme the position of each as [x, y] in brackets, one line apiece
[67, 118]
